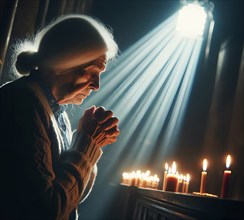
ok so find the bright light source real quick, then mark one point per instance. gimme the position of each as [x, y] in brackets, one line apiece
[191, 20]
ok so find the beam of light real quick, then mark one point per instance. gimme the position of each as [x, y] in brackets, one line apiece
[191, 20]
[148, 90]
[184, 93]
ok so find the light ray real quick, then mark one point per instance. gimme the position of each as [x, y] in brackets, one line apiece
[148, 90]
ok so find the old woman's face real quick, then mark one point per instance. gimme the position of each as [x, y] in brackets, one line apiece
[73, 85]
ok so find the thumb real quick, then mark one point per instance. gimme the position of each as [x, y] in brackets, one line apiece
[90, 111]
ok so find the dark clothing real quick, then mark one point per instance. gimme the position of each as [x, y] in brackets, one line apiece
[58, 112]
[37, 180]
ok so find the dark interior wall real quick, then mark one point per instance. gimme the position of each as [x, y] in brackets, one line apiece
[224, 133]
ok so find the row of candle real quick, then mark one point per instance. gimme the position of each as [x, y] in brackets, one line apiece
[226, 178]
[140, 179]
[173, 181]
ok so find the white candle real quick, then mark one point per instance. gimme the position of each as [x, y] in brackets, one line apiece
[165, 175]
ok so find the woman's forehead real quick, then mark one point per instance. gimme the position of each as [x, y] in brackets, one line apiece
[78, 58]
[99, 62]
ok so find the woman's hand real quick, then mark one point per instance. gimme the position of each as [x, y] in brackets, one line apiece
[99, 125]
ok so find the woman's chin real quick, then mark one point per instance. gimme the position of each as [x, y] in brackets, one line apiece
[75, 101]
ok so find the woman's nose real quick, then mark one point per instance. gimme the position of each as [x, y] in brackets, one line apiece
[95, 83]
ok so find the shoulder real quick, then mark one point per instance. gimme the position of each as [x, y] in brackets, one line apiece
[22, 94]
[18, 88]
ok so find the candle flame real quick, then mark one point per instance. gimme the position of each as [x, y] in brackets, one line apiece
[148, 172]
[125, 175]
[204, 165]
[188, 178]
[166, 166]
[228, 161]
[174, 167]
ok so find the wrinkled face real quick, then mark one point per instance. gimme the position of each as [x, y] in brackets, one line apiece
[73, 85]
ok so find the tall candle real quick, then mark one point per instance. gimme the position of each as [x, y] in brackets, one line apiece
[226, 178]
[203, 176]
[165, 175]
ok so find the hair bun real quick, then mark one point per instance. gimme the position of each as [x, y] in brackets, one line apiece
[26, 61]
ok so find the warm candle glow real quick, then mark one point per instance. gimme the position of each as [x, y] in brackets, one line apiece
[228, 161]
[203, 176]
[181, 177]
[174, 167]
[204, 165]
[226, 179]
[188, 178]
[148, 173]
[187, 182]
[166, 167]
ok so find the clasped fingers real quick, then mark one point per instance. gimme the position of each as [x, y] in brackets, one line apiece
[112, 132]
[111, 122]
[102, 115]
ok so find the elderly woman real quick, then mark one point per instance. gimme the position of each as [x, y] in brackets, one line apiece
[45, 173]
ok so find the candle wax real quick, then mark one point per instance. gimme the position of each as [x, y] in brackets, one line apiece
[186, 187]
[171, 182]
[179, 186]
[203, 182]
[225, 184]
[164, 180]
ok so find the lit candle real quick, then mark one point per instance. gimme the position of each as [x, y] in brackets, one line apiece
[172, 179]
[125, 178]
[187, 183]
[155, 181]
[138, 177]
[147, 178]
[180, 182]
[184, 184]
[166, 167]
[204, 176]
[133, 178]
[226, 178]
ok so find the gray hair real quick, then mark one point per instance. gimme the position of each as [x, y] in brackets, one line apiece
[72, 32]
